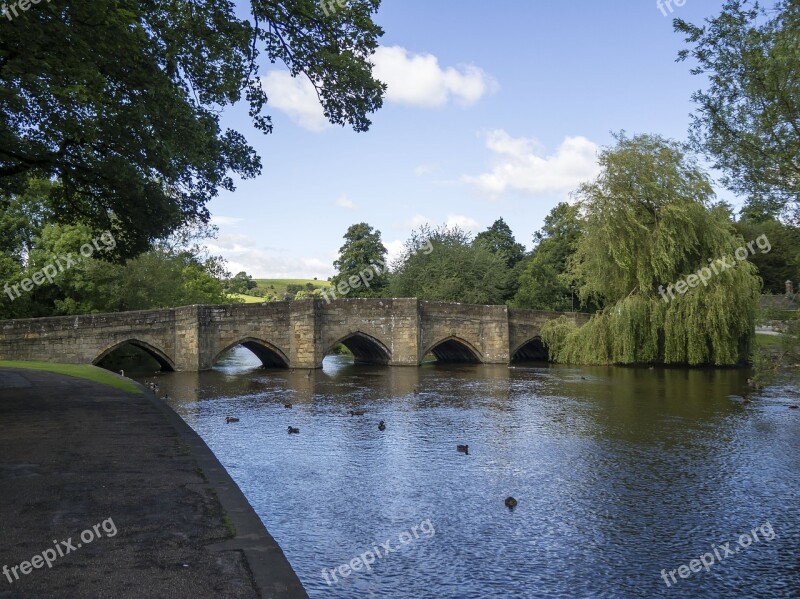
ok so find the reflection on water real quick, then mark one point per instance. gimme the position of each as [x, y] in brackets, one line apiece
[619, 473]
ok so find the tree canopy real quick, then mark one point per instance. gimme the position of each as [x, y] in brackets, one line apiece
[443, 264]
[362, 256]
[748, 119]
[650, 223]
[542, 281]
[120, 100]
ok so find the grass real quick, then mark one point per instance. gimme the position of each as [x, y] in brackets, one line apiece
[247, 299]
[281, 284]
[80, 371]
[768, 341]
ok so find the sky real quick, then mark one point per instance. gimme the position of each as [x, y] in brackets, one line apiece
[492, 110]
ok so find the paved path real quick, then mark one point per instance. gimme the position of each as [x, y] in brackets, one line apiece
[77, 456]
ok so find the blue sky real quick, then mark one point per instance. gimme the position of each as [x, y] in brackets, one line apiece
[493, 110]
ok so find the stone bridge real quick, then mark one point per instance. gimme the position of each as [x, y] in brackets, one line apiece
[298, 334]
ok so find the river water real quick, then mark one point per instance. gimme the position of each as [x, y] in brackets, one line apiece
[619, 473]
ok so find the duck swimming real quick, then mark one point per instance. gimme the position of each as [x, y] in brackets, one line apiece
[294, 431]
[357, 412]
[381, 426]
[510, 502]
[230, 419]
[463, 449]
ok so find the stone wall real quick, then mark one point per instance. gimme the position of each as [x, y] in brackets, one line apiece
[284, 334]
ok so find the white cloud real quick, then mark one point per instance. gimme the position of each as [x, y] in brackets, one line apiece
[425, 169]
[297, 98]
[417, 221]
[415, 79]
[244, 254]
[224, 221]
[418, 80]
[465, 223]
[394, 249]
[344, 202]
[520, 164]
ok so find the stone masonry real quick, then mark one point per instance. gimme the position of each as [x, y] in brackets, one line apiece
[396, 332]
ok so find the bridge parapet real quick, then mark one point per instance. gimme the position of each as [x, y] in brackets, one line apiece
[397, 332]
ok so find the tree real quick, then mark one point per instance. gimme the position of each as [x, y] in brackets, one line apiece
[362, 258]
[171, 274]
[121, 101]
[651, 229]
[542, 281]
[749, 117]
[499, 240]
[240, 283]
[782, 262]
[444, 265]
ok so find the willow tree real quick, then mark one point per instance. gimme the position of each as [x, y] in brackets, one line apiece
[659, 256]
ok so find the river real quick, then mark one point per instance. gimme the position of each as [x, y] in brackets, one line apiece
[619, 474]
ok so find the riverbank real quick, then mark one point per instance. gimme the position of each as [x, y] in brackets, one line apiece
[107, 492]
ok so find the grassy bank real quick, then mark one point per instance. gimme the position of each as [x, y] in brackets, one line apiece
[80, 371]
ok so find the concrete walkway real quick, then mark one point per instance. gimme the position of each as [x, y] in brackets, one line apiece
[122, 499]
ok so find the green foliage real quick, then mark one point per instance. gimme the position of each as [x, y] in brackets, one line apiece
[444, 265]
[782, 262]
[121, 101]
[362, 252]
[649, 223]
[162, 277]
[749, 117]
[542, 281]
[241, 282]
[499, 240]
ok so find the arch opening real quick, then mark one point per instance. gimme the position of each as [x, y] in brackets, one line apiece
[533, 350]
[454, 350]
[269, 355]
[134, 355]
[365, 349]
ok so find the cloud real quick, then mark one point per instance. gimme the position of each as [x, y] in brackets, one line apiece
[425, 169]
[414, 79]
[344, 202]
[225, 221]
[244, 254]
[465, 223]
[296, 97]
[418, 80]
[520, 164]
[394, 249]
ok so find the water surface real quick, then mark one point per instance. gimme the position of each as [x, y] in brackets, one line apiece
[619, 473]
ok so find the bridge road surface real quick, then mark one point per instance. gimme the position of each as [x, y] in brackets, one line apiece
[75, 454]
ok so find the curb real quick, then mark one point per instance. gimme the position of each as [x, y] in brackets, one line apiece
[273, 575]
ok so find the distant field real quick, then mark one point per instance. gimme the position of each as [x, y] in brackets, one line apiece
[247, 299]
[281, 284]
[768, 341]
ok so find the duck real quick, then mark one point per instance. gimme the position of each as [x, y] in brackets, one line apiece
[294, 431]
[357, 412]
[230, 419]
[463, 449]
[793, 407]
[122, 373]
[381, 426]
[288, 406]
[510, 502]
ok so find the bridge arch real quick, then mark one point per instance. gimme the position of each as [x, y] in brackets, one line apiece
[366, 349]
[158, 355]
[533, 349]
[270, 355]
[454, 349]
